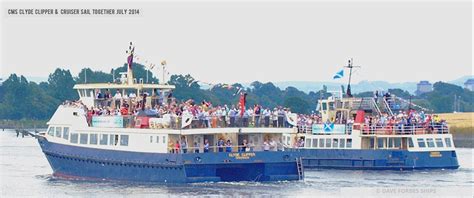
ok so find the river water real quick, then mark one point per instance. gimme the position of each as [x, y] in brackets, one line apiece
[25, 172]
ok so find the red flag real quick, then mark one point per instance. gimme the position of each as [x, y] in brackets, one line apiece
[243, 98]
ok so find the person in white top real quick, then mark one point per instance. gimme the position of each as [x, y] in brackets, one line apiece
[118, 99]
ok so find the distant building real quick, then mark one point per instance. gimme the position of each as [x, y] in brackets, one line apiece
[423, 87]
[469, 84]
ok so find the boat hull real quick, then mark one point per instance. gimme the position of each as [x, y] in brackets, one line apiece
[378, 159]
[75, 162]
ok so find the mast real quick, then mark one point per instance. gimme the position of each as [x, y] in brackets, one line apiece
[130, 52]
[350, 66]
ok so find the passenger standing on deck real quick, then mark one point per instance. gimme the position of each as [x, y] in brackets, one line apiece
[275, 117]
[273, 145]
[176, 146]
[266, 146]
[232, 114]
[171, 146]
[108, 97]
[228, 146]
[281, 115]
[206, 146]
[196, 147]
[244, 146]
[220, 145]
[266, 114]
[184, 145]
[256, 112]
[118, 99]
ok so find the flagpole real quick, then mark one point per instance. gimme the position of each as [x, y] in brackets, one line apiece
[350, 65]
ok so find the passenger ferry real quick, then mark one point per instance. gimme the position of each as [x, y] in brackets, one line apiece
[146, 148]
[380, 132]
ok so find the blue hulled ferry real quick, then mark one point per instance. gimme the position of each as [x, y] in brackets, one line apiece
[366, 133]
[104, 137]
[379, 132]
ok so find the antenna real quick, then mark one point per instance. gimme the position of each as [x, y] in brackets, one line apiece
[350, 66]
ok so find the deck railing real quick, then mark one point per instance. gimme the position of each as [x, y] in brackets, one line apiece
[175, 122]
[402, 129]
[227, 149]
[398, 129]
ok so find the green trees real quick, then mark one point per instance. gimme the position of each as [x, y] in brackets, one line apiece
[20, 99]
[60, 85]
[441, 99]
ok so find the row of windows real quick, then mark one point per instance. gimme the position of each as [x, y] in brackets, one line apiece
[431, 143]
[328, 143]
[392, 143]
[158, 139]
[59, 132]
[101, 139]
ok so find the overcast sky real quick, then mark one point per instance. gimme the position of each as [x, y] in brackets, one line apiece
[248, 41]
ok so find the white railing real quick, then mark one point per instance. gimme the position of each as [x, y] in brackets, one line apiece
[400, 129]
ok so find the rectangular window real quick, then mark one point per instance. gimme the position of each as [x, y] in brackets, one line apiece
[335, 143]
[410, 142]
[51, 131]
[439, 142]
[103, 139]
[324, 106]
[390, 142]
[448, 142]
[398, 142]
[321, 143]
[342, 143]
[74, 138]
[93, 138]
[58, 131]
[308, 142]
[112, 142]
[66, 133]
[421, 143]
[430, 142]
[328, 142]
[151, 139]
[83, 138]
[157, 139]
[114, 139]
[123, 140]
[164, 139]
[380, 142]
[315, 143]
[349, 143]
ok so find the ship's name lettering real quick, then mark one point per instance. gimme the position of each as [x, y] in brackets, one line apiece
[242, 155]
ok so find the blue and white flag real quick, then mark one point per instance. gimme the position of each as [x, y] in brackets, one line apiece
[328, 127]
[339, 74]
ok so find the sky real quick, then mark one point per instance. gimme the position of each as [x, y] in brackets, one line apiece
[232, 41]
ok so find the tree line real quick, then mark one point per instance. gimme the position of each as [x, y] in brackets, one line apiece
[23, 99]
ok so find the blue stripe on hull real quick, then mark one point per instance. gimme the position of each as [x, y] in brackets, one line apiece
[89, 163]
[377, 159]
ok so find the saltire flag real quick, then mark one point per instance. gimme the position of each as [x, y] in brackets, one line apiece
[239, 89]
[339, 74]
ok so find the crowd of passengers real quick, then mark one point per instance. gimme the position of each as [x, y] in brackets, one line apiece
[227, 146]
[406, 122]
[205, 114]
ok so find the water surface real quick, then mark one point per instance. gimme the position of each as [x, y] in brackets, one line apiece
[24, 171]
